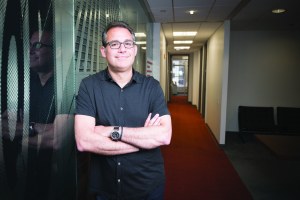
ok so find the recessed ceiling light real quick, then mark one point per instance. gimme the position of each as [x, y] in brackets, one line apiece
[183, 41]
[191, 12]
[189, 33]
[278, 10]
[140, 34]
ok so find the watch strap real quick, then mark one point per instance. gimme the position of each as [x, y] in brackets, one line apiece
[121, 132]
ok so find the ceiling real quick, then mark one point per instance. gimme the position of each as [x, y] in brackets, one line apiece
[210, 15]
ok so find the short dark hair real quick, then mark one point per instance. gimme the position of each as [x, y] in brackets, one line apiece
[114, 24]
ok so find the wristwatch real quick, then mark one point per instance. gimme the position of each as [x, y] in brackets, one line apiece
[32, 131]
[116, 134]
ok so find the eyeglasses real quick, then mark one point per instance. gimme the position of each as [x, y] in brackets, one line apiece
[38, 45]
[128, 44]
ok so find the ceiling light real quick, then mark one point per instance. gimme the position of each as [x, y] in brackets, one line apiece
[278, 10]
[140, 42]
[188, 33]
[181, 47]
[183, 41]
[191, 12]
[140, 34]
[144, 48]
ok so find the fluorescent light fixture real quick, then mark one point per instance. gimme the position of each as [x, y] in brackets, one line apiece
[183, 41]
[144, 48]
[140, 34]
[141, 42]
[278, 10]
[181, 47]
[188, 33]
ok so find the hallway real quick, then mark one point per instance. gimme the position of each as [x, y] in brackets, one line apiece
[196, 166]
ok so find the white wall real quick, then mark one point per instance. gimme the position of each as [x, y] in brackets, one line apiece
[196, 78]
[164, 78]
[190, 78]
[216, 86]
[264, 71]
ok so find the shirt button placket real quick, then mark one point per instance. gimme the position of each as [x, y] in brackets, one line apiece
[119, 178]
[121, 116]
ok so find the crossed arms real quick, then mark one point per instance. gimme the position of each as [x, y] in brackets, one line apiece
[156, 132]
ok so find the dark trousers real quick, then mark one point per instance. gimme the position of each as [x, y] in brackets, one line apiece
[156, 194]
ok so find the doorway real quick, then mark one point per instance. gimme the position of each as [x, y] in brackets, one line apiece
[179, 75]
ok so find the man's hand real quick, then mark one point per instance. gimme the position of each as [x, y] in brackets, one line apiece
[155, 121]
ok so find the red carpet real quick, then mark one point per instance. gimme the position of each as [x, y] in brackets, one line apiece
[196, 167]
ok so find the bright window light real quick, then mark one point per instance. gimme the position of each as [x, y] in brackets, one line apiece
[189, 33]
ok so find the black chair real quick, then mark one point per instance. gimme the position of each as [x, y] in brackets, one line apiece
[288, 120]
[258, 120]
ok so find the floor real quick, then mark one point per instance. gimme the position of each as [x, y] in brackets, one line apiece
[266, 176]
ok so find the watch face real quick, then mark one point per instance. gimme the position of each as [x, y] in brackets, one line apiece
[115, 135]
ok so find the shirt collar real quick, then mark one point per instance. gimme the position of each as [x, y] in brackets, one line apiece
[137, 77]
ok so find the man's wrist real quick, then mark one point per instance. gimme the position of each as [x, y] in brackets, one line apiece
[121, 132]
[116, 134]
[32, 131]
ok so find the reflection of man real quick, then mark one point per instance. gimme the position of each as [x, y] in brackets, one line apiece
[42, 114]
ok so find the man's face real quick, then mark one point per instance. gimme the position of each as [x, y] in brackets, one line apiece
[41, 52]
[120, 59]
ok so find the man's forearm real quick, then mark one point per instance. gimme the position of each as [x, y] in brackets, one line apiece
[156, 132]
[106, 146]
[145, 137]
[116, 148]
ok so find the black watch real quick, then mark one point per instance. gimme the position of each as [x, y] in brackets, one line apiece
[32, 131]
[116, 134]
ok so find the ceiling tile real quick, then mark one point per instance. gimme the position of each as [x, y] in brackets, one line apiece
[244, 14]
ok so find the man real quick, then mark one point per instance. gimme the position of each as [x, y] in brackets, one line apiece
[113, 122]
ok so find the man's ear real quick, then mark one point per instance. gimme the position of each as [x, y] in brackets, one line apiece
[103, 51]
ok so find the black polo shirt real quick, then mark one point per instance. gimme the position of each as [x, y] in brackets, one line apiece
[42, 101]
[129, 176]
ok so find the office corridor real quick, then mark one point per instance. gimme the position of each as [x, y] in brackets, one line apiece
[196, 166]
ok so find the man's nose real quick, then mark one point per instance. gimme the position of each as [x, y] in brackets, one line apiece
[122, 47]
